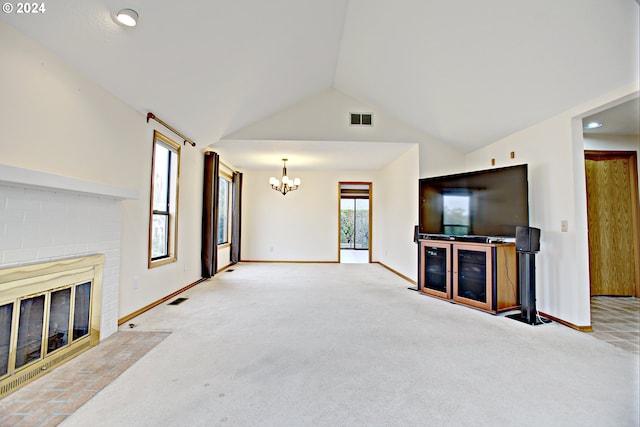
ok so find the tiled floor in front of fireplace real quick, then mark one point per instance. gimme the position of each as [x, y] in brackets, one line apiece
[51, 398]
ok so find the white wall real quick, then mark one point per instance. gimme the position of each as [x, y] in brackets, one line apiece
[396, 210]
[612, 142]
[438, 159]
[300, 226]
[53, 119]
[554, 151]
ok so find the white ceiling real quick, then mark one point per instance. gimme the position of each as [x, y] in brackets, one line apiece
[466, 72]
[623, 119]
[311, 155]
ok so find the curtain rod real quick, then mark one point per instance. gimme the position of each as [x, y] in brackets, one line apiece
[153, 116]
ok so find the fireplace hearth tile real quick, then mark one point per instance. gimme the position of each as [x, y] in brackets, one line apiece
[51, 398]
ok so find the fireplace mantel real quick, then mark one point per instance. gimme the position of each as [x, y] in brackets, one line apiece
[20, 177]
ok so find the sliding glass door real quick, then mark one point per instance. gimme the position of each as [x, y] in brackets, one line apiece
[354, 223]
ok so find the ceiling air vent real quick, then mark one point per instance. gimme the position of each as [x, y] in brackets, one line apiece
[361, 119]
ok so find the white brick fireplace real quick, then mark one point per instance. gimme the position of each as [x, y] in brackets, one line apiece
[45, 217]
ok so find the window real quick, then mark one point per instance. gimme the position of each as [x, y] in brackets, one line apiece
[163, 216]
[224, 209]
[354, 223]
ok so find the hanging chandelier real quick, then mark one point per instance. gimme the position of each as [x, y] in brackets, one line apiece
[284, 184]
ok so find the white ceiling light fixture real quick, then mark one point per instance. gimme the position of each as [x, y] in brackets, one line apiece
[128, 17]
[593, 125]
[285, 184]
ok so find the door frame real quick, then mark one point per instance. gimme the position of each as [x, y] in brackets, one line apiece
[635, 210]
[370, 185]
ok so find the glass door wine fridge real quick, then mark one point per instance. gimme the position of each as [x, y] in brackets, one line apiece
[435, 268]
[472, 275]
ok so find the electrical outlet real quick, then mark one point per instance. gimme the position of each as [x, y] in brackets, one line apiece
[493, 162]
[185, 266]
[564, 226]
[512, 155]
[135, 282]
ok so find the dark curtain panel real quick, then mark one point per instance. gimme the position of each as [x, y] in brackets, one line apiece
[210, 215]
[236, 211]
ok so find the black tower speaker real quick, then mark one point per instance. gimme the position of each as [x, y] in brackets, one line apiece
[527, 282]
[527, 239]
[527, 244]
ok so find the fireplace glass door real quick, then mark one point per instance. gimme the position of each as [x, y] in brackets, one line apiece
[49, 313]
[46, 322]
[59, 319]
[81, 310]
[29, 346]
[6, 315]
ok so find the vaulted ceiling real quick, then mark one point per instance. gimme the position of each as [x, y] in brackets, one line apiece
[466, 72]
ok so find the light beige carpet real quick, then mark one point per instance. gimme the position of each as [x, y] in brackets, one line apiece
[350, 345]
[48, 400]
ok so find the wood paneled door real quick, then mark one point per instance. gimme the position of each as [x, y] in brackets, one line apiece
[612, 212]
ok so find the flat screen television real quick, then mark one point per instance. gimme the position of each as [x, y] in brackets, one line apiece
[489, 203]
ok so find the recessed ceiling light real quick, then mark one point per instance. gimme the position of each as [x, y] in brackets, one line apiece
[593, 125]
[128, 17]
